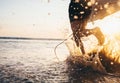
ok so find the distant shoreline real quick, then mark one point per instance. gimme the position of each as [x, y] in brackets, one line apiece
[27, 38]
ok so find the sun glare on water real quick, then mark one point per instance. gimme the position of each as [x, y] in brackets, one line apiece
[110, 25]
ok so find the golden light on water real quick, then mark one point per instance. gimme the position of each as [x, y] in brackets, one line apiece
[110, 26]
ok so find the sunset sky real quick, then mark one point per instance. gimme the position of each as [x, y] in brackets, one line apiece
[37, 18]
[34, 18]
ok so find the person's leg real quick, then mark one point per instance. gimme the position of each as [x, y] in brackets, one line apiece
[96, 32]
[81, 46]
[76, 28]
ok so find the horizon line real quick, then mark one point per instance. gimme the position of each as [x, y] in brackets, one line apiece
[30, 38]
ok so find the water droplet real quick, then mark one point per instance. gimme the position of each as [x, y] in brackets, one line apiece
[111, 63]
[82, 12]
[106, 5]
[95, 9]
[95, 62]
[89, 3]
[75, 17]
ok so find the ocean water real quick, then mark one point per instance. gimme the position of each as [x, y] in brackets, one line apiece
[41, 50]
[34, 61]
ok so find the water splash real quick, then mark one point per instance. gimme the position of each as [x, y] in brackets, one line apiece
[104, 58]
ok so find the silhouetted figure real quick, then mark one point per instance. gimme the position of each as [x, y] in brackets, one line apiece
[79, 14]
